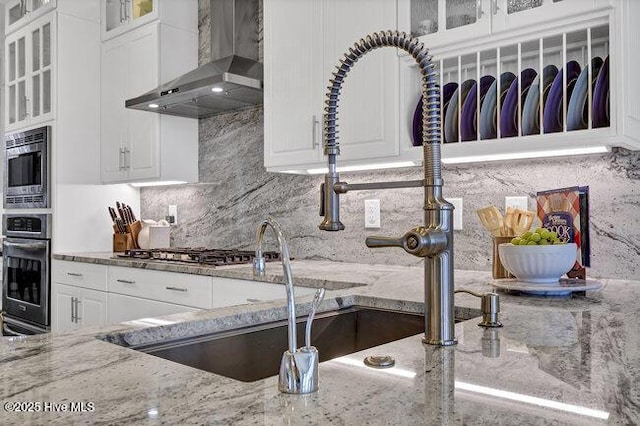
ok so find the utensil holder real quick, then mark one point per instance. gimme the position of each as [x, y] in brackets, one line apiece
[497, 269]
[122, 242]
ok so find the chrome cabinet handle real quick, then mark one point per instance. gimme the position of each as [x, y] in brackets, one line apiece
[177, 289]
[126, 281]
[77, 310]
[127, 158]
[314, 131]
[74, 274]
[73, 306]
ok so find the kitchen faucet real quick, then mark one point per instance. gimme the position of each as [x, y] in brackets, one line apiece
[299, 367]
[434, 240]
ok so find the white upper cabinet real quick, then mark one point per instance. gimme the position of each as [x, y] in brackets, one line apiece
[120, 16]
[140, 146]
[297, 73]
[444, 22]
[29, 52]
[20, 12]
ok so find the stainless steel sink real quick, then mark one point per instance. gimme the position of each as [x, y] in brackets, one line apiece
[254, 353]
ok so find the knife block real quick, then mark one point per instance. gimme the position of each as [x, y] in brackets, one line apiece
[122, 242]
[134, 229]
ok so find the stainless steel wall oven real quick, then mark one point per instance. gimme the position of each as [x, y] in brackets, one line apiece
[26, 171]
[26, 254]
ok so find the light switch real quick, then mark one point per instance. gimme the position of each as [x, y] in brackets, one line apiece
[457, 213]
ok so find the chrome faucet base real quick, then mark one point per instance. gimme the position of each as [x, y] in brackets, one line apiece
[450, 342]
[299, 371]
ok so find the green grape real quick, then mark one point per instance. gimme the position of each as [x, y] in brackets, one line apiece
[544, 234]
[515, 241]
[526, 235]
[532, 243]
[543, 242]
[538, 230]
[535, 237]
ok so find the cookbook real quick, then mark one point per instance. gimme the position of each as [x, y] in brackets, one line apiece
[566, 211]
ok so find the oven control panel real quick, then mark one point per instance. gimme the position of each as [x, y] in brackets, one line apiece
[27, 225]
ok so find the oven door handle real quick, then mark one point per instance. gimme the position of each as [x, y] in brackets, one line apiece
[9, 331]
[26, 246]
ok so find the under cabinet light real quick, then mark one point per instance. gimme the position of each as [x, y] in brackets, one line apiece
[217, 89]
[598, 149]
[153, 106]
[157, 183]
[361, 167]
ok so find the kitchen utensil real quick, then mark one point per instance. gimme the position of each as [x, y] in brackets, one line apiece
[317, 299]
[522, 221]
[498, 270]
[131, 214]
[492, 220]
[508, 222]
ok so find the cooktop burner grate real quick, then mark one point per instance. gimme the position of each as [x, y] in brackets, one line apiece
[199, 255]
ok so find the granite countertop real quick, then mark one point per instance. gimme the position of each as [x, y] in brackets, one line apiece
[557, 360]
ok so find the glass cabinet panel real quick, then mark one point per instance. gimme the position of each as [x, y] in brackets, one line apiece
[46, 92]
[114, 14]
[21, 57]
[12, 61]
[17, 11]
[515, 6]
[22, 101]
[141, 8]
[46, 45]
[461, 13]
[424, 17]
[35, 50]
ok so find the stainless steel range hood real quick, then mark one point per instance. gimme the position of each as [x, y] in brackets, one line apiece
[231, 81]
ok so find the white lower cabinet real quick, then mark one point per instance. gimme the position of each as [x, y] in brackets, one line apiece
[127, 308]
[75, 307]
[87, 294]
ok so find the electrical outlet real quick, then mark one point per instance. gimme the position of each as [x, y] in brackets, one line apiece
[372, 213]
[521, 203]
[457, 213]
[172, 218]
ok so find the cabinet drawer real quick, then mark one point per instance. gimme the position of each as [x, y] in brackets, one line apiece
[172, 287]
[229, 291]
[85, 275]
[126, 308]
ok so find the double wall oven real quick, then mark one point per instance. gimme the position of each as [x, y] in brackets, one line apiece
[26, 249]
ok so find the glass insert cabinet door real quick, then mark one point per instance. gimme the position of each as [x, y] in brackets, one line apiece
[122, 12]
[448, 21]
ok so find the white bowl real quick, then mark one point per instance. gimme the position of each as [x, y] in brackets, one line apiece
[538, 264]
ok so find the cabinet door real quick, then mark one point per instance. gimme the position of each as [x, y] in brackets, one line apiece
[92, 308]
[63, 298]
[40, 105]
[122, 308]
[293, 82]
[114, 116]
[16, 80]
[142, 143]
[368, 109]
[119, 16]
[230, 291]
[15, 13]
[442, 22]
[513, 14]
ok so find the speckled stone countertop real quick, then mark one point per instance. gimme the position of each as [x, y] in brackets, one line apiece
[557, 360]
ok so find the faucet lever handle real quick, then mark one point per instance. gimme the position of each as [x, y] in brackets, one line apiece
[419, 241]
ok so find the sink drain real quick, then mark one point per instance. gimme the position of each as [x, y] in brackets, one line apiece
[379, 361]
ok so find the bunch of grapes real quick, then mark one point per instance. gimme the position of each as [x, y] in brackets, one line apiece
[539, 237]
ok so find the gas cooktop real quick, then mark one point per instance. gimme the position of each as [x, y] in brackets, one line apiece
[213, 257]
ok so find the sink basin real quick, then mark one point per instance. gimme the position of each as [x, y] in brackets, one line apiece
[254, 353]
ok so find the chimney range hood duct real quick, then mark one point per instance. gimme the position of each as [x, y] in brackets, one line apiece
[231, 81]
